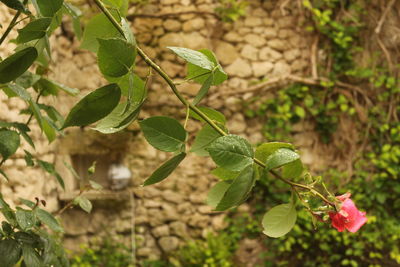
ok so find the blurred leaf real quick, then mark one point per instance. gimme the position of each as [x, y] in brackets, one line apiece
[231, 152]
[130, 38]
[84, 203]
[48, 8]
[19, 91]
[263, 151]
[279, 220]
[164, 133]
[49, 220]
[25, 219]
[9, 143]
[94, 106]
[49, 87]
[98, 27]
[165, 169]
[14, 4]
[16, 64]
[10, 252]
[75, 14]
[36, 29]
[30, 256]
[211, 113]
[194, 57]
[49, 168]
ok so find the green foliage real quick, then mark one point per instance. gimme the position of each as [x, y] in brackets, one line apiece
[106, 252]
[22, 239]
[94, 106]
[165, 170]
[231, 10]
[215, 251]
[36, 29]
[238, 190]
[231, 152]
[203, 139]
[279, 220]
[115, 57]
[98, 27]
[16, 64]
[164, 133]
[9, 143]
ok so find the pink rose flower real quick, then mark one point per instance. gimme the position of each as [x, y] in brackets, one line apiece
[348, 217]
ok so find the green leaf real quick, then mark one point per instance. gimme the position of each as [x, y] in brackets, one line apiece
[238, 190]
[118, 120]
[75, 14]
[10, 251]
[16, 64]
[9, 143]
[217, 192]
[200, 75]
[194, 57]
[94, 106]
[263, 151]
[121, 5]
[203, 139]
[48, 219]
[84, 203]
[279, 158]
[27, 79]
[98, 27]
[31, 257]
[219, 74]
[49, 129]
[165, 169]
[211, 113]
[231, 152]
[130, 38]
[164, 133]
[300, 111]
[27, 202]
[95, 185]
[204, 89]
[25, 219]
[48, 87]
[49, 168]
[29, 159]
[19, 91]
[36, 29]
[224, 174]
[292, 170]
[115, 57]
[48, 8]
[279, 220]
[14, 4]
[7, 212]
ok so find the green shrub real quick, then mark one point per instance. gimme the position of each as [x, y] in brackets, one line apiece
[107, 252]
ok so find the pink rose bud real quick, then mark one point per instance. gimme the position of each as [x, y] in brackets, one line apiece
[348, 217]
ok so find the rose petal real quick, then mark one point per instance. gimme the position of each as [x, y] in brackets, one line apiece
[350, 208]
[337, 221]
[354, 225]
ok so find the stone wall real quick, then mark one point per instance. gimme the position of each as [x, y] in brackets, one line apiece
[269, 42]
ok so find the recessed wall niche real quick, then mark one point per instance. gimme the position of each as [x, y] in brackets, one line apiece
[80, 148]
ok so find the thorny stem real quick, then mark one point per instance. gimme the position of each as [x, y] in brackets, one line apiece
[12, 24]
[192, 107]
